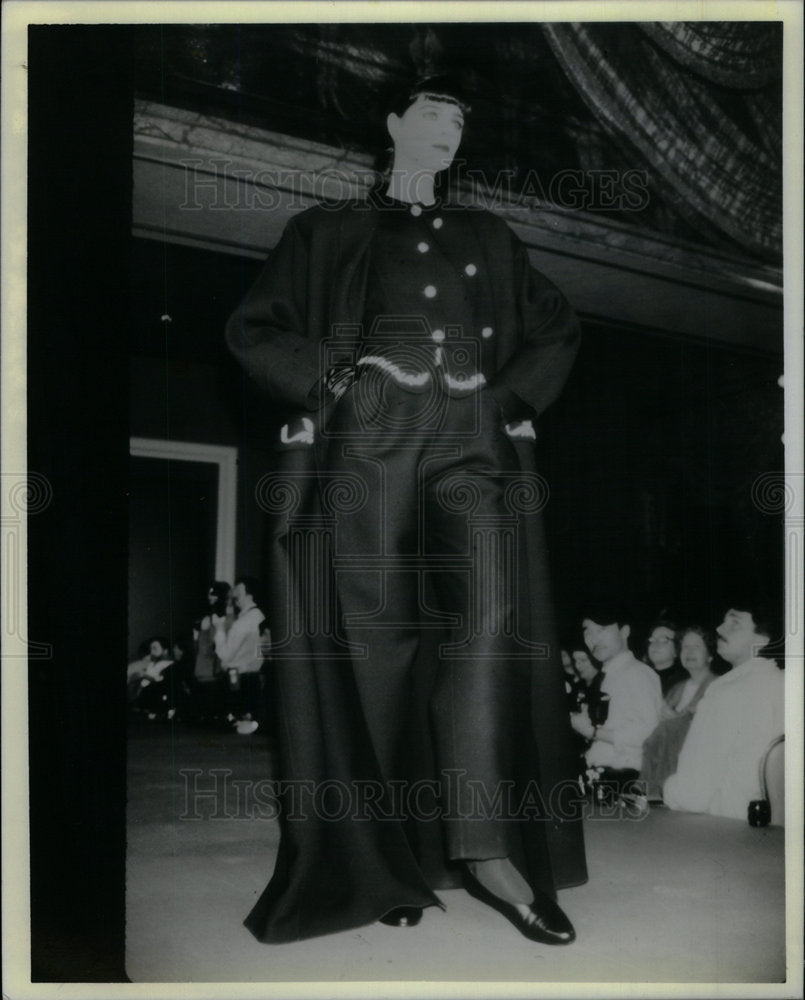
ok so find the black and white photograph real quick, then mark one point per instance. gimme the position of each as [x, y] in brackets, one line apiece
[402, 499]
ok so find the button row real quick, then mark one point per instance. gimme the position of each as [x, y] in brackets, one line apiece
[438, 335]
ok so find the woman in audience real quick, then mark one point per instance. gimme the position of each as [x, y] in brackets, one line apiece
[589, 677]
[662, 655]
[661, 750]
[587, 668]
[208, 688]
[574, 687]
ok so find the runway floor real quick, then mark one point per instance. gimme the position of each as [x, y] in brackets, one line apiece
[671, 898]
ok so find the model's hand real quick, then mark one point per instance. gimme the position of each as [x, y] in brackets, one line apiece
[303, 435]
[339, 379]
[521, 430]
[218, 621]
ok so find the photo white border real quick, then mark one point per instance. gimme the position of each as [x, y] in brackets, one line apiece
[17, 15]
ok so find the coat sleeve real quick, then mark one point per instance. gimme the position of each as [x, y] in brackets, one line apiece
[548, 340]
[267, 333]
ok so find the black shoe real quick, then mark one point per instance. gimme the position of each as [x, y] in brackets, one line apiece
[545, 923]
[402, 916]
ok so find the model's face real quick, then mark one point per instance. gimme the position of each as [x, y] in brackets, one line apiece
[583, 666]
[239, 595]
[427, 134]
[694, 655]
[157, 651]
[605, 641]
[661, 649]
[737, 639]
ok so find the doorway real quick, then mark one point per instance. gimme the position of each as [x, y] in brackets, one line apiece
[181, 533]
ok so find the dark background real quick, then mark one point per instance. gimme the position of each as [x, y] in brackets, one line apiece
[79, 325]
[172, 517]
[650, 452]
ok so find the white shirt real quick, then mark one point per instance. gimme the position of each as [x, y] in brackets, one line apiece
[635, 701]
[736, 720]
[155, 668]
[241, 646]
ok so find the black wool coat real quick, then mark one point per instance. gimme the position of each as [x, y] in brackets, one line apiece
[335, 871]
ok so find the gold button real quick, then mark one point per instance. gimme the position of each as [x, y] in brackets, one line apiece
[430, 291]
[423, 247]
[470, 269]
[438, 336]
[416, 210]
[486, 333]
[437, 223]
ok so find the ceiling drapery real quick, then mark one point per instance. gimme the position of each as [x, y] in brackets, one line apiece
[658, 88]
[693, 110]
[734, 54]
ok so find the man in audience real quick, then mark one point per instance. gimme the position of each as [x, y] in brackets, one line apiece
[739, 715]
[155, 657]
[145, 674]
[240, 653]
[663, 655]
[633, 688]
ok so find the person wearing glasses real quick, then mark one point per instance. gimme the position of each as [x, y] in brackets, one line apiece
[663, 655]
[661, 749]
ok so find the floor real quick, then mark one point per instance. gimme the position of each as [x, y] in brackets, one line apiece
[671, 898]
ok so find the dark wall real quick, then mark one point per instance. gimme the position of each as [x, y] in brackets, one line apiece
[172, 522]
[79, 220]
[186, 386]
[650, 452]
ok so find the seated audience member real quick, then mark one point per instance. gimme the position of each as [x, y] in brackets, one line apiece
[663, 655]
[634, 694]
[152, 696]
[153, 658]
[588, 678]
[240, 653]
[661, 749]
[136, 670]
[740, 713]
[178, 678]
[574, 686]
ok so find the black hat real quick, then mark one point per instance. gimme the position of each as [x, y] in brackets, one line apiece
[449, 87]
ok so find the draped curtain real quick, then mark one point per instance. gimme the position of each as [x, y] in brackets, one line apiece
[698, 103]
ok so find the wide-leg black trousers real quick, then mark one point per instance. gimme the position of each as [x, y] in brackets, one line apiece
[432, 549]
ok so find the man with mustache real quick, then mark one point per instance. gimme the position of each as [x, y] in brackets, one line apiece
[738, 717]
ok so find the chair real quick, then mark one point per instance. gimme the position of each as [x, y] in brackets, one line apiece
[771, 772]
[772, 779]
